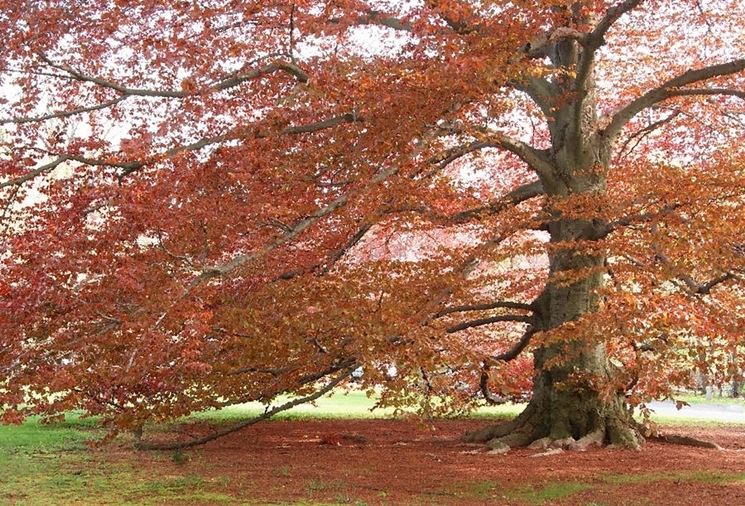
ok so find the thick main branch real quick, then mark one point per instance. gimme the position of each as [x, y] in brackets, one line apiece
[674, 88]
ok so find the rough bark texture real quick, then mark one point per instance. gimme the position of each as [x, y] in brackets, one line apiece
[567, 410]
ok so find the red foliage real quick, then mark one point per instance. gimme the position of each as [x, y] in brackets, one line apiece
[205, 205]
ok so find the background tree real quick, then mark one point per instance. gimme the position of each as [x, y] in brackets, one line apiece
[197, 195]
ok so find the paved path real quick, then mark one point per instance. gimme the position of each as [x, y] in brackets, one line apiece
[730, 413]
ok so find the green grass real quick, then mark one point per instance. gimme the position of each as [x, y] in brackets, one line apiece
[711, 477]
[51, 464]
[550, 492]
[351, 405]
[701, 399]
[344, 405]
[356, 405]
[77, 477]
[32, 434]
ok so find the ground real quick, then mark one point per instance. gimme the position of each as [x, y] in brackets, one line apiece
[360, 461]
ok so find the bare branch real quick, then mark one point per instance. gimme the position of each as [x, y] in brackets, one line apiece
[517, 348]
[708, 91]
[612, 15]
[506, 356]
[288, 67]
[222, 84]
[640, 217]
[514, 197]
[489, 397]
[642, 133]
[693, 287]
[325, 264]
[705, 288]
[540, 90]
[350, 117]
[373, 17]
[590, 44]
[535, 158]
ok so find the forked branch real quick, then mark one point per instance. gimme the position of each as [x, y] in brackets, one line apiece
[224, 83]
[537, 159]
[674, 88]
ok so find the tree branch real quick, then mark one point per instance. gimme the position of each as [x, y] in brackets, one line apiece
[480, 322]
[612, 15]
[514, 197]
[708, 91]
[517, 348]
[671, 88]
[291, 233]
[64, 114]
[506, 356]
[48, 167]
[484, 307]
[693, 286]
[264, 416]
[536, 159]
[237, 133]
[325, 264]
[642, 133]
[222, 84]
[705, 288]
[373, 17]
[590, 44]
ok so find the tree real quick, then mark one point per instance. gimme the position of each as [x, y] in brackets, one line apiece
[231, 169]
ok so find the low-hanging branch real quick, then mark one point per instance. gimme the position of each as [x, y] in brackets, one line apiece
[505, 356]
[537, 159]
[251, 421]
[692, 286]
[512, 198]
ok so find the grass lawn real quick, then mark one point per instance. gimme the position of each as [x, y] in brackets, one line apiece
[51, 464]
[701, 399]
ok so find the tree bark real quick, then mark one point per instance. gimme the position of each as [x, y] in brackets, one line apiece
[567, 408]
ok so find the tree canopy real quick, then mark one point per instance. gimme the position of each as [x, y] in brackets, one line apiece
[214, 202]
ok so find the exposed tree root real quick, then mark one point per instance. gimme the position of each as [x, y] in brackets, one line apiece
[542, 430]
[685, 441]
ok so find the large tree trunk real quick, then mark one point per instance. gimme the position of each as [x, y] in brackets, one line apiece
[567, 404]
[567, 408]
